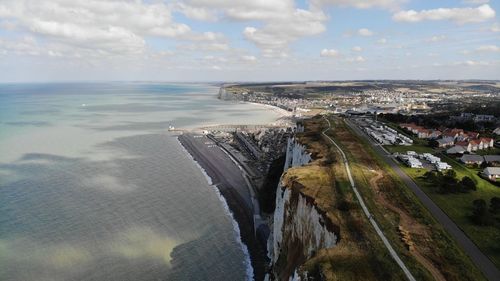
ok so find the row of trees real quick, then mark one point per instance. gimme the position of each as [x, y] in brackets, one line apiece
[447, 182]
[481, 214]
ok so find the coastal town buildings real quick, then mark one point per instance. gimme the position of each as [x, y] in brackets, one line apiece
[492, 173]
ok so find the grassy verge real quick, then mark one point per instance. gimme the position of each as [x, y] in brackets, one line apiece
[403, 148]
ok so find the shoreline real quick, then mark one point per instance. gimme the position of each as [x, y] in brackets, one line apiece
[240, 210]
[278, 110]
[249, 274]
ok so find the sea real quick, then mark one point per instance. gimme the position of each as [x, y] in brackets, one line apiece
[93, 186]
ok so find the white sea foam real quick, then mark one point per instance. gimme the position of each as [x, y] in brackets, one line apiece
[244, 248]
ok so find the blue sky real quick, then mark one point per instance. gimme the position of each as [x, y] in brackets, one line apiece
[238, 40]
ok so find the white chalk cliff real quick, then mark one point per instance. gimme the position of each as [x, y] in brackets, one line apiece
[299, 228]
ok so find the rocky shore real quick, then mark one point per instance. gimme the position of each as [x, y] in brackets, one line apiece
[228, 179]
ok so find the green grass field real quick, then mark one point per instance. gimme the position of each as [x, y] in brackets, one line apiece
[459, 206]
[403, 148]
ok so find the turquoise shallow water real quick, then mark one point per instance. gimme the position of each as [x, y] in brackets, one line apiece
[92, 187]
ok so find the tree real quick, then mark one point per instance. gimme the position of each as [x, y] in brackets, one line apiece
[451, 173]
[448, 183]
[433, 143]
[467, 184]
[430, 176]
[480, 214]
[495, 205]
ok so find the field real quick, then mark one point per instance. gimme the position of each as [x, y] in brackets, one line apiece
[360, 255]
[425, 247]
[403, 148]
[459, 206]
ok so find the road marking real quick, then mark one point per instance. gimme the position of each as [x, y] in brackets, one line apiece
[366, 211]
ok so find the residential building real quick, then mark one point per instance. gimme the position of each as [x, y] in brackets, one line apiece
[465, 144]
[492, 173]
[476, 145]
[492, 160]
[487, 142]
[470, 159]
[445, 142]
[457, 149]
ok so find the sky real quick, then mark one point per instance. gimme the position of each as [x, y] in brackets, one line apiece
[248, 40]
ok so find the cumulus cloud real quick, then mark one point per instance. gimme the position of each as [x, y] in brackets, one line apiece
[280, 21]
[477, 2]
[362, 4]
[436, 38]
[473, 63]
[357, 49]
[116, 27]
[196, 13]
[356, 59]
[364, 32]
[249, 58]
[488, 48]
[382, 41]
[275, 36]
[457, 15]
[329, 53]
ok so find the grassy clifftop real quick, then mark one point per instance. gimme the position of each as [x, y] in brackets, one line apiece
[360, 255]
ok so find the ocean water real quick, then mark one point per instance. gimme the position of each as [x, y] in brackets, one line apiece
[93, 187]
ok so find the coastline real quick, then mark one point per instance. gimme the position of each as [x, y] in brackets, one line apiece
[232, 196]
[280, 111]
[247, 261]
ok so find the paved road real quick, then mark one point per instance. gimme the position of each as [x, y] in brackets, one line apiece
[367, 212]
[480, 260]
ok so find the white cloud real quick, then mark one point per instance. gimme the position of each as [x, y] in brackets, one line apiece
[362, 4]
[382, 41]
[196, 13]
[357, 49]
[249, 58]
[488, 48]
[458, 15]
[356, 59]
[115, 27]
[364, 32]
[275, 36]
[436, 38]
[209, 47]
[247, 10]
[329, 53]
[474, 63]
[280, 21]
[476, 2]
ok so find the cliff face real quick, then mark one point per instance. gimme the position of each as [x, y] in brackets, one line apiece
[222, 94]
[301, 227]
[296, 155]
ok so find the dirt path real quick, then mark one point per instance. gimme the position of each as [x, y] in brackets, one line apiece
[408, 223]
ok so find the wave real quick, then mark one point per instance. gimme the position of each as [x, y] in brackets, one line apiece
[244, 248]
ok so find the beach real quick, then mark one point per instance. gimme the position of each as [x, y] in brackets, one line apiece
[226, 176]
